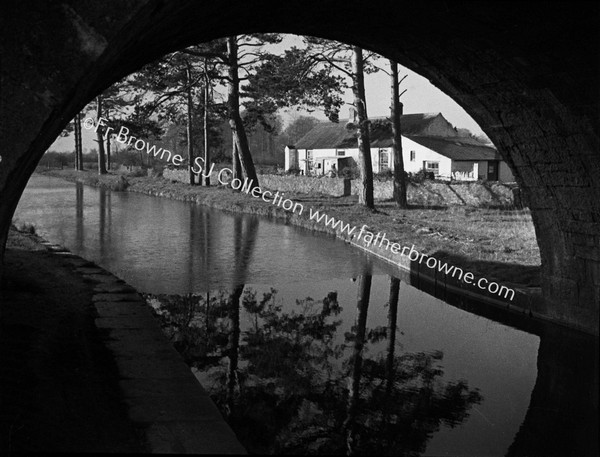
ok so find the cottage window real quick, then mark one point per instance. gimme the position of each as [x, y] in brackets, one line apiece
[432, 166]
[340, 152]
[413, 156]
[384, 160]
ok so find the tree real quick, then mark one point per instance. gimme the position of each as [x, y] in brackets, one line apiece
[299, 127]
[232, 55]
[349, 60]
[364, 144]
[100, 140]
[190, 107]
[206, 124]
[110, 106]
[258, 84]
[75, 128]
[396, 113]
[294, 79]
[170, 91]
[241, 151]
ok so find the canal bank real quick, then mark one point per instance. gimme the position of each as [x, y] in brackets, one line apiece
[508, 263]
[86, 368]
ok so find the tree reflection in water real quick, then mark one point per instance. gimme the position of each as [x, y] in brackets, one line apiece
[286, 386]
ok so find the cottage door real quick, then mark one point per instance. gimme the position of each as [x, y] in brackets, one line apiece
[492, 170]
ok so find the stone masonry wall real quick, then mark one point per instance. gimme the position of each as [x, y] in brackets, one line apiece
[427, 193]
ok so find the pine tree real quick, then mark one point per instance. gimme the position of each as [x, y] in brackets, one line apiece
[396, 112]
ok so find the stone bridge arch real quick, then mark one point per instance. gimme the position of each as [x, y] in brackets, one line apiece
[528, 74]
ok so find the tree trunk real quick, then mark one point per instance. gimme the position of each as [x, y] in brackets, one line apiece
[396, 108]
[206, 179]
[190, 138]
[99, 133]
[365, 197]
[236, 163]
[235, 120]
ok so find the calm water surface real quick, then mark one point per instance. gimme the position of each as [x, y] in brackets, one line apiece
[454, 383]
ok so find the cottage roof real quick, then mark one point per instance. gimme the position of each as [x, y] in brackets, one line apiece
[329, 135]
[455, 149]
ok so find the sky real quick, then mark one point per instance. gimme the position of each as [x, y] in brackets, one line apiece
[420, 97]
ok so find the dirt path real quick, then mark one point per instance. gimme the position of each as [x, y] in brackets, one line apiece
[59, 390]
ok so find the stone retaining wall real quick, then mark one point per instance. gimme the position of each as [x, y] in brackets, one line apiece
[426, 193]
[432, 193]
[306, 184]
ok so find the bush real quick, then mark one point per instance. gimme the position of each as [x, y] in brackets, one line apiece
[385, 175]
[27, 228]
[295, 171]
[156, 171]
[138, 173]
[421, 176]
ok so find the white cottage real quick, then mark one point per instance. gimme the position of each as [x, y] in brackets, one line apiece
[429, 142]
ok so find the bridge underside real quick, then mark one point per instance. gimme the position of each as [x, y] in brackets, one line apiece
[528, 74]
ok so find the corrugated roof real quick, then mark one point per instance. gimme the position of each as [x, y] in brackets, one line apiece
[329, 135]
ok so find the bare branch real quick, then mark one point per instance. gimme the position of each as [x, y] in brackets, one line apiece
[255, 45]
[245, 54]
[251, 62]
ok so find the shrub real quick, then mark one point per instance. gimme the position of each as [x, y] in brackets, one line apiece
[138, 173]
[385, 175]
[295, 171]
[27, 228]
[421, 176]
[156, 171]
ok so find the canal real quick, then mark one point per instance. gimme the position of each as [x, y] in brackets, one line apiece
[446, 382]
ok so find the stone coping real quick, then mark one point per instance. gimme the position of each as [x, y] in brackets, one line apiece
[165, 402]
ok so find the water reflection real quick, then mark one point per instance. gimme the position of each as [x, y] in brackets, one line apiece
[286, 386]
[104, 221]
[79, 233]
